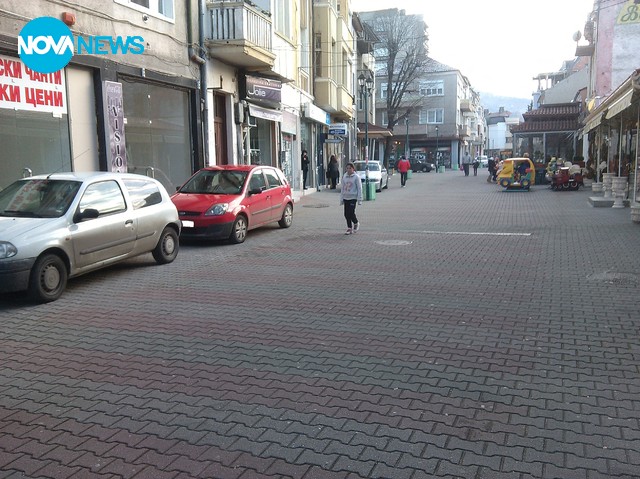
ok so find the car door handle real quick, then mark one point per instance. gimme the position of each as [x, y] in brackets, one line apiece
[128, 222]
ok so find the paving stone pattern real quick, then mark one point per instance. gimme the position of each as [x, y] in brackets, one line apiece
[464, 332]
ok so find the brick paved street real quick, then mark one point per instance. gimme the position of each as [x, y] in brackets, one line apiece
[464, 332]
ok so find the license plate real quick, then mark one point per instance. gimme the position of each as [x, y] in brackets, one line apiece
[187, 224]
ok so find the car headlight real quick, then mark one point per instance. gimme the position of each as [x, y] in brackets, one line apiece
[217, 210]
[7, 250]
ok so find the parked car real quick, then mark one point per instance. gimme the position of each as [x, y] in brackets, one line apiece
[225, 202]
[377, 173]
[421, 165]
[483, 160]
[54, 227]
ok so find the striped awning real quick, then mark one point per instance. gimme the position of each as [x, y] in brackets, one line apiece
[620, 104]
[593, 121]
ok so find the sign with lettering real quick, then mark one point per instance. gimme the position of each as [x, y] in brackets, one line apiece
[24, 89]
[114, 122]
[263, 89]
[629, 13]
[339, 129]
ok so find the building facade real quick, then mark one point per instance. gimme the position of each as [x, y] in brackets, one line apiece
[108, 109]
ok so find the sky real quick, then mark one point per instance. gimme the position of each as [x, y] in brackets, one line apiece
[499, 45]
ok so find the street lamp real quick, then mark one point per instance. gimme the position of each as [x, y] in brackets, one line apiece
[407, 150]
[437, 153]
[366, 85]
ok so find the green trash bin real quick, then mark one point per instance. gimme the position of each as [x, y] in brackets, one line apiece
[369, 191]
[409, 173]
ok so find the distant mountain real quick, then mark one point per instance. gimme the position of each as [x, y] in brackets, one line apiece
[517, 106]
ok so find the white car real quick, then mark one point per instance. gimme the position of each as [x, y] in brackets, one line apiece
[53, 227]
[484, 161]
[377, 173]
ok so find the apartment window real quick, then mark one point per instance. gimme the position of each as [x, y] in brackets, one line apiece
[435, 115]
[384, 91]
[317, 50]
[385, 119]
[283, 18]
[157, 8]
[432, 88]
[422, 117]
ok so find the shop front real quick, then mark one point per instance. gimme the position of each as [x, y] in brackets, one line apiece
[34, 121]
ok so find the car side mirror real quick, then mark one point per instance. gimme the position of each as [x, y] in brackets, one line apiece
[88, 214]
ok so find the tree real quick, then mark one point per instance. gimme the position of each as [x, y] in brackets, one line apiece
[401, 59]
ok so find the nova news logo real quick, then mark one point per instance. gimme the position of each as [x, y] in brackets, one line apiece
[46, 45]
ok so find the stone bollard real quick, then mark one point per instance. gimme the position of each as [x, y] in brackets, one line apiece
[607, 178]
[618, 190]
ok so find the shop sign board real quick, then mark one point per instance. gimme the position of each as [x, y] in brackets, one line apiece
[263, 89]
[114, 122]
[339, 129]
[24, 89]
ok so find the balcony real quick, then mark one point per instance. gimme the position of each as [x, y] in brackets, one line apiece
[465, 106]
[239, 34]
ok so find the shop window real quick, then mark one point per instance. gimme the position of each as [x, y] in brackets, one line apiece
[35, 140]
[157, 132]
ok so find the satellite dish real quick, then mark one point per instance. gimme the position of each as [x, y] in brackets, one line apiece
[577, 36]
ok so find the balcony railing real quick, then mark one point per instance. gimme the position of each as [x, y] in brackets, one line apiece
[239, 34]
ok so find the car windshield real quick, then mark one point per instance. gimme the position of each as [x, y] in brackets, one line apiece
[215, 182]
[38, 198]
[373, 166]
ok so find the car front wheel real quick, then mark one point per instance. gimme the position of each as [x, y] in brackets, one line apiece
[239, 230]
[48, 278]
[167, 248]
[287, 217]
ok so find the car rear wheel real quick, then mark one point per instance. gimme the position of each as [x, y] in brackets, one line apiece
[239, 230]
[287, 217]
[167, 248]
[425, 169]
[48, 278]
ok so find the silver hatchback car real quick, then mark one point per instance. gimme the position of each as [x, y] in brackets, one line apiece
[53, 227]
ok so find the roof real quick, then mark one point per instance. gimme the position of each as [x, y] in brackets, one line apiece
[375, 131]
[434, 66]
[547, 126]
[562, 117]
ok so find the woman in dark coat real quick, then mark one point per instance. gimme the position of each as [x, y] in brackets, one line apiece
[333, 172]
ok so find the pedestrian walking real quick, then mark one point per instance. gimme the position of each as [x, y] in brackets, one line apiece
[403, 166]
[466, 161]
[492, 164]
[304, 163]
[476, 163]
[333, 171]
[350, 194]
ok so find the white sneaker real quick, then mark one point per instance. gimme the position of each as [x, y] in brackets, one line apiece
[348, 232]
[356, 227]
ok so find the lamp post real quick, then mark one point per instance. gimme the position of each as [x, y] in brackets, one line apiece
[407, 150]
[366, 85]
[437, 152]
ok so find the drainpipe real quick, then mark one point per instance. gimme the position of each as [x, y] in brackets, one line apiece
[195, 56]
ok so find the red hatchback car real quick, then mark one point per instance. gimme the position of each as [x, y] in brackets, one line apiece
[224, 202]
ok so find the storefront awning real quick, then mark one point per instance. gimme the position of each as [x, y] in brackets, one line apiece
[592, 122]
[265, 113]
[620, 104]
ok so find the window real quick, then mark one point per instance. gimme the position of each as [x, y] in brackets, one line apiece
[317, 58]
[422, 117]
[384, 90]
[385, 119]
[282, 20]
[272, 179]
[105, 196]
[257, 182]
[435, 115]
[432, 88]
[160, 8]
[143, 193]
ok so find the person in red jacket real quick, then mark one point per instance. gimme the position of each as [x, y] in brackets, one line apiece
[403, 167]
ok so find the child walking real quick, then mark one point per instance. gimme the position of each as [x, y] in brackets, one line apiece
[350, 193]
